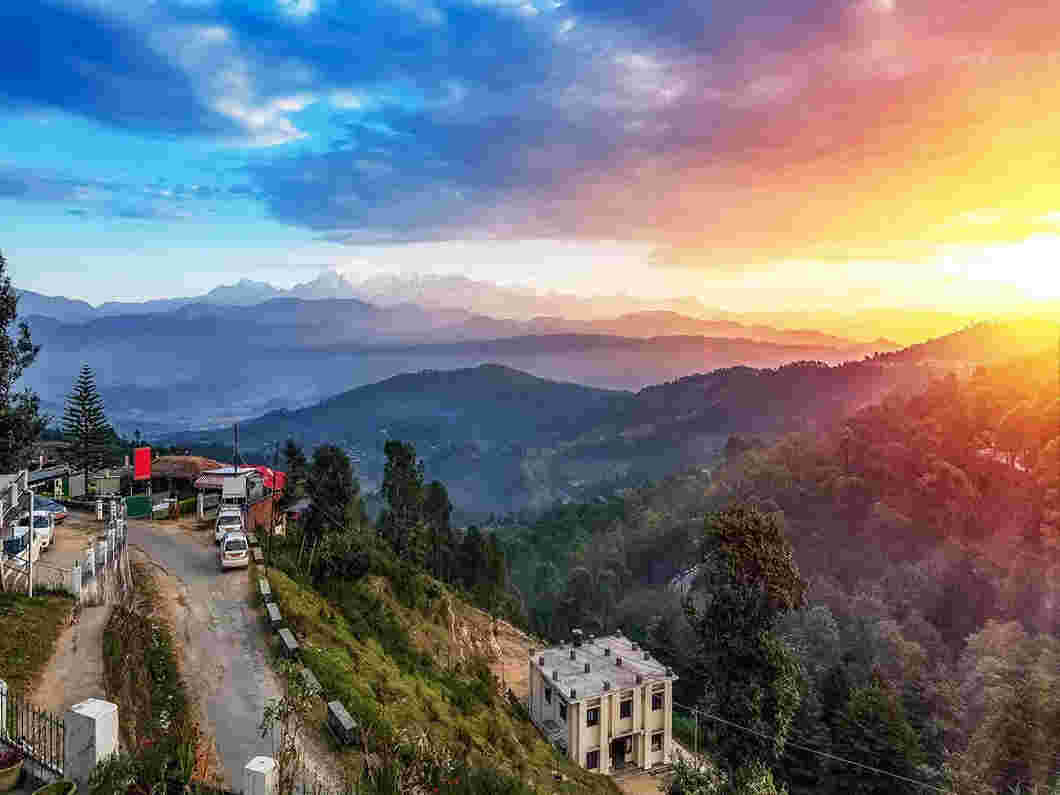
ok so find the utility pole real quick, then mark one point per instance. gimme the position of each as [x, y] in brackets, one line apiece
[272, 507]
[29, 549]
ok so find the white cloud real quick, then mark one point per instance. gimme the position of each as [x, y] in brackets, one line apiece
[298, 8]
[347, 100]
[267, 122]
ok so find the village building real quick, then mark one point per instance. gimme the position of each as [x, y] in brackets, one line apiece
[604, 702]
[175, 475]
[51, 481]
[253, 489]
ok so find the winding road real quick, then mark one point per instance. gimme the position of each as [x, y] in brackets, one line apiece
[220, 637]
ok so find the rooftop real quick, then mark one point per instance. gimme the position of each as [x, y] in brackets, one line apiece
[229, 471]
[184, 466]
[37, 475]
[603, 656]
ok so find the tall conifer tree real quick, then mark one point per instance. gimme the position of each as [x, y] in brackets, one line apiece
[85, 424]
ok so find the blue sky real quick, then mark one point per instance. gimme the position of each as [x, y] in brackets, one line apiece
[679, 147]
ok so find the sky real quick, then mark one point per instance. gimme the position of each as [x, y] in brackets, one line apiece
[763, 152]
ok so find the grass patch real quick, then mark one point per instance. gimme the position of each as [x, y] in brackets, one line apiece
[31, 628]
[141, 676]
[380, 658]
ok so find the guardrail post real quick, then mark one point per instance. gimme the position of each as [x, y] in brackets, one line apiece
[259, 776]
[91, 737]
[3, 708]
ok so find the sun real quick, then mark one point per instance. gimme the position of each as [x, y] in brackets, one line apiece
[1032, 265]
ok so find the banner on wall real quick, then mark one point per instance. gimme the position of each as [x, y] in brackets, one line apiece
[142, 463]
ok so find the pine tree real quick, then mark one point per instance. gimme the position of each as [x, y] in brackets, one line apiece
[85, 424]
[438, 511]
[297, 470]
[403, 490]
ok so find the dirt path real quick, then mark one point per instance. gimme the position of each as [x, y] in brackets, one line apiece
[75, 670]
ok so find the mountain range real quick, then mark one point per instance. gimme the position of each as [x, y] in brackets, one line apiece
[543, 312]
[436, 292]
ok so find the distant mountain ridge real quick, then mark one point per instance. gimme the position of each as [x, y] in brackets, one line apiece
[436, 292]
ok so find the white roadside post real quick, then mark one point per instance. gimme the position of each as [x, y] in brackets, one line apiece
[91, 737]
[3, 708]
[259, 776]
[29, 549]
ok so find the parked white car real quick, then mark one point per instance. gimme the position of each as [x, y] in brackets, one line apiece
[43, 527]
[21, 558]
[228, 521]
[234, 551]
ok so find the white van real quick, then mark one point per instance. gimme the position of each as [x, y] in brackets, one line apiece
[229, 520]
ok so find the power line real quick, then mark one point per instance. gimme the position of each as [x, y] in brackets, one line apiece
[806, 748]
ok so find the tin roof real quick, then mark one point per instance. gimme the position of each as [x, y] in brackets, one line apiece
[37, 475]
[603, 667]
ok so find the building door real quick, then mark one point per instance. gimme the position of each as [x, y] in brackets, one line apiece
[619, 749]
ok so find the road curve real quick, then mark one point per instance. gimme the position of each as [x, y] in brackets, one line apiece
[223, 644]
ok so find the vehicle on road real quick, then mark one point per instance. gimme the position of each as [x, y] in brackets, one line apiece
[228, 521]
[57, 509]
[234, 551]
[43, 527]
[17, 550]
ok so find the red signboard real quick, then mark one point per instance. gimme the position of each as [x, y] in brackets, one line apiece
[142, 463]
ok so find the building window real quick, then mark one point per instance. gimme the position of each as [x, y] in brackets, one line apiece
[548, 695]
[562, 711]
[625, 709]
[592, 760]
[592, 716]
[656, 741]
[656, 702]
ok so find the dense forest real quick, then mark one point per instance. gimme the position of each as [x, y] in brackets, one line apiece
[927, 531]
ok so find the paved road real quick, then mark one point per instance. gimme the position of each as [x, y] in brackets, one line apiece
[224, 650]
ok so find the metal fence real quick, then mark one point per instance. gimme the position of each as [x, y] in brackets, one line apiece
[39, 734]
[54, 578]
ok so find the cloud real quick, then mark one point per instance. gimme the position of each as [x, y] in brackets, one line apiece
[298, 8]
[112, 198]
[82, 62]
[729, 134]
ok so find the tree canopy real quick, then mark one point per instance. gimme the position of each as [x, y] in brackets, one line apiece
[85, 424]
[21, 422]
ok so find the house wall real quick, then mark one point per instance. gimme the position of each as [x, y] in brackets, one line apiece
[642, 725]
[582, 738]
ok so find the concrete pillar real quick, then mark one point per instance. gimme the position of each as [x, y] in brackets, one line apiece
[75, 580]
[91, 737]
[668, 720]
[259, 776]
[605, 732]
[3, 708]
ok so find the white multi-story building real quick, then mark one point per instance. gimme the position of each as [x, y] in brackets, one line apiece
[604, 701]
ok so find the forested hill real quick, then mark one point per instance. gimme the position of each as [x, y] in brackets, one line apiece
[982, 343]
[503, 439]
[928, 529]
[490, 404]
